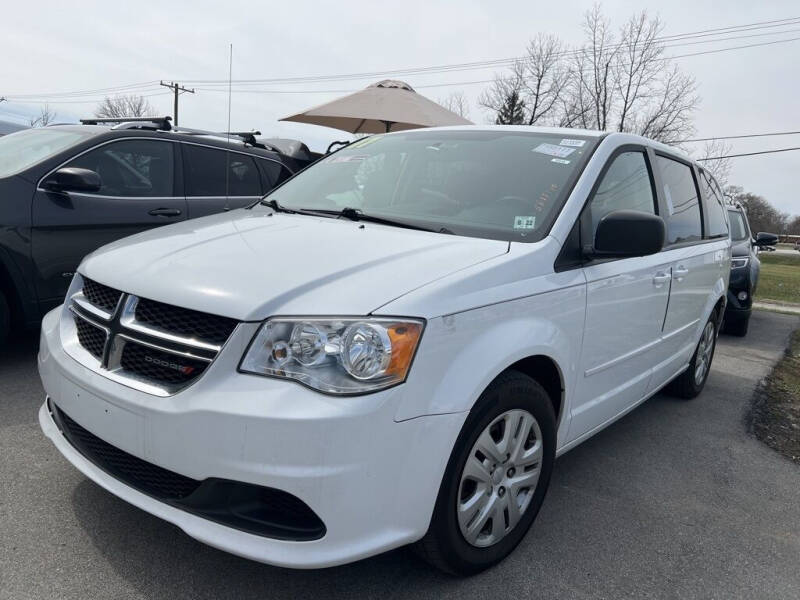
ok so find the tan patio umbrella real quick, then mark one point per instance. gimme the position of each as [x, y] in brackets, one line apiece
[379, 108]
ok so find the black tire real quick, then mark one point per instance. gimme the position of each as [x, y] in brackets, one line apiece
[686, 385]
[739, 327]
[444, 546]
[5, 319]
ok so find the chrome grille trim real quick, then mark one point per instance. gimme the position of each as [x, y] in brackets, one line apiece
[122, 329]
[129, 321]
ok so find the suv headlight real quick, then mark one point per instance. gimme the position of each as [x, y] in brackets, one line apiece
[336, 356]
[738, 263]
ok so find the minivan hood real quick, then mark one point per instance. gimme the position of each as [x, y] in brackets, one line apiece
[252, 264]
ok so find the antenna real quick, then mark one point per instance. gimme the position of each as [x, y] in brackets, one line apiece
[228, 132]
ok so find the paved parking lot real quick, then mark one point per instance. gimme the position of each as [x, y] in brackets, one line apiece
[673, 501]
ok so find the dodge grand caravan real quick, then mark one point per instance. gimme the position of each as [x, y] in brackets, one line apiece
[393, 346]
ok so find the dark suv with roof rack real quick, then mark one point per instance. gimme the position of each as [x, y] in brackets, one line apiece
[67, 190]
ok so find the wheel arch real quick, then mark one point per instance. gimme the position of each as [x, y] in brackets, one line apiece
[546, 372]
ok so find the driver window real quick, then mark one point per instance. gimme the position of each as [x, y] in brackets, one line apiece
[131, 168]
[626, 185]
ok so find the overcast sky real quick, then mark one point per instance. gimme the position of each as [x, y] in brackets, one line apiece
[60, 47]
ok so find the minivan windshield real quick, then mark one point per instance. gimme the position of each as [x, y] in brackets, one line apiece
[505, 185]
[738, 228]
[23, 149]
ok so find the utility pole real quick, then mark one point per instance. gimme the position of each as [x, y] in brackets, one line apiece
[177, 89]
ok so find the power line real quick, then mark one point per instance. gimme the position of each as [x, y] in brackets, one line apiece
[715, 32]
[485, 63]
[738, 137]
[479, 81]
[748, 154]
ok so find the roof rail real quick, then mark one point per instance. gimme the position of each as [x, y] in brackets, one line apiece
[248, 137]
[163, 123]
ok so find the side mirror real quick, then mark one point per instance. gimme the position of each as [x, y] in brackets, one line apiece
[73, 179]
[628, 233]
[765, 239]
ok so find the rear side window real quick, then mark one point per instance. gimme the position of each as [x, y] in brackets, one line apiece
[716, 225]
[626, 185]
[131, 168]
[684, 223]
[211, 172]
[273, 173]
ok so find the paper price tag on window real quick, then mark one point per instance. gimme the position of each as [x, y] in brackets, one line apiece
[524, 222]
[575, 143]
[553, 150]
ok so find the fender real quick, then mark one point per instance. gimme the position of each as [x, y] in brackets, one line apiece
[464, 352]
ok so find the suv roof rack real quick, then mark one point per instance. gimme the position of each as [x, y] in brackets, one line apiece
[248, 137]
[162, 123]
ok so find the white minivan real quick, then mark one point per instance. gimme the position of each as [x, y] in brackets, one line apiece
[394, 345]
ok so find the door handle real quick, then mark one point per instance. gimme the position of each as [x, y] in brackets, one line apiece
[165, 212]
[661, 278]
[680, 272]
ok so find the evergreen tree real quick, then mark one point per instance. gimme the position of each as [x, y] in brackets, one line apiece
[512, 112]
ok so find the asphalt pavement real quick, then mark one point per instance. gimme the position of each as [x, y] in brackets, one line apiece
[675, 500]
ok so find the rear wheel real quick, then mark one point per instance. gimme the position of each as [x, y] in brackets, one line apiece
[5, 318]
[691, 382]
[496, 478]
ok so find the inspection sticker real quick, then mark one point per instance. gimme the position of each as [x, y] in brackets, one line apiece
[560, 161]
[553, 150]
[524, 222]
[343, 158]
[576, 143]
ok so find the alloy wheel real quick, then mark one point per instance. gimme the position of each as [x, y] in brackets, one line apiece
[704, 351]
[499, 478]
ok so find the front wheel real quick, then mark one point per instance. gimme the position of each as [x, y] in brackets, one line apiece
[738, 328]
[496, 479]
[691, 382]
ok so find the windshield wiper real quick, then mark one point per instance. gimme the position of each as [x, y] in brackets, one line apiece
[356, 214]
[273, 204]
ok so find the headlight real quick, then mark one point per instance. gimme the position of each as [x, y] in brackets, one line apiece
[738, 263]
[335, 356]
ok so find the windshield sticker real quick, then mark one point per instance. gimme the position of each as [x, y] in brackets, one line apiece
[553, 150]
[560, 161]
[576, 143]
[365, 142]
[524, 222]
[345, 158]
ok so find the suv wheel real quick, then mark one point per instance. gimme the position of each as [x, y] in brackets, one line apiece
[496, 478]
[5, 318]
[691, 382]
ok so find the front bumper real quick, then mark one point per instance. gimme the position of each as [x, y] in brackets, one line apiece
[372, 481]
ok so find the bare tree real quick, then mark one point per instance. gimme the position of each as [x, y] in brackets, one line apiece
[46, 116]
[793, 228]
[619, 82]
[456, 102]
[711, 156]
[538, 80]
[760, 213]
[124, 106]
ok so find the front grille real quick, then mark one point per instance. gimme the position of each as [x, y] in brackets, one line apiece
[163, 367]
[101, 295]
[149, 345]
[188, 323]
[92, 338]
[137, 473]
